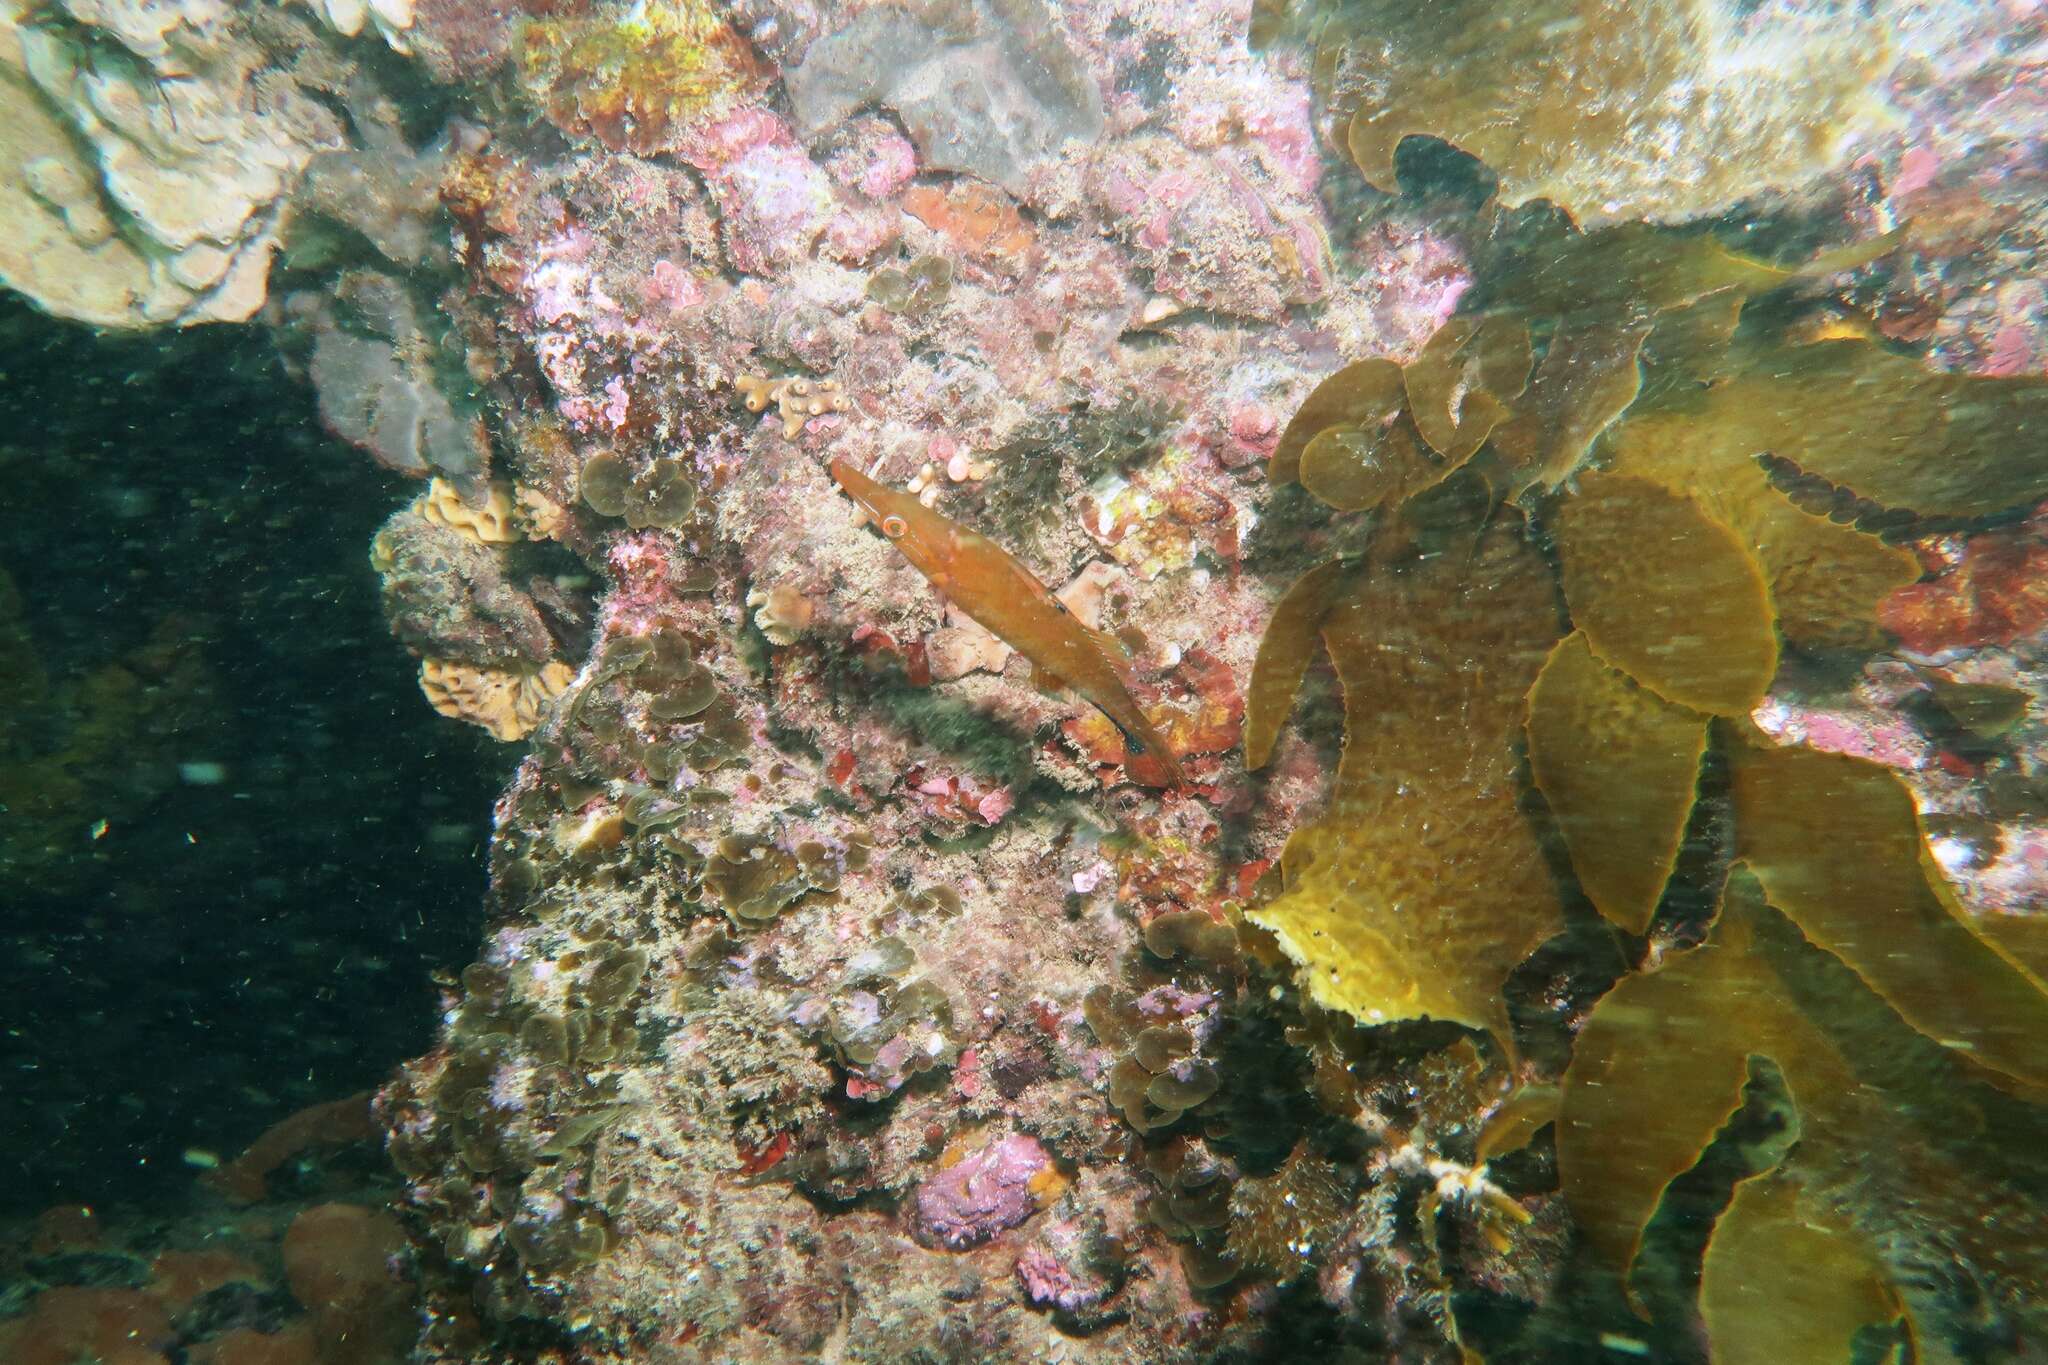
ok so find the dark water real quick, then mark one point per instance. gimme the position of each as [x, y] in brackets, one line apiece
[257, 932]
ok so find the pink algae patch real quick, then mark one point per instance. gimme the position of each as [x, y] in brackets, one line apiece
[984, 1192]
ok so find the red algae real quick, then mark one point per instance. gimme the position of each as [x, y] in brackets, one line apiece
[1993, 590]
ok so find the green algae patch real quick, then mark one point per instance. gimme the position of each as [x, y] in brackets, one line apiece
[753, 879]
[1423, 886]
[1619, 766]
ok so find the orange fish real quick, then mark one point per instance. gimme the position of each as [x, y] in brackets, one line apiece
[986, 581]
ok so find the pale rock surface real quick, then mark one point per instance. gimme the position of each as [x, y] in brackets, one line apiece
[146, 152]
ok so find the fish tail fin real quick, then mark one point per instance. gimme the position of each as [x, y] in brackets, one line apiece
[1149, 760]
[1154, 770]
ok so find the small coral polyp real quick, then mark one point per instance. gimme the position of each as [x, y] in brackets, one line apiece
[795, 399]
[506, 703]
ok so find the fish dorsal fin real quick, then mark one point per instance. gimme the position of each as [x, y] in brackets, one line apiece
[1121, 658]
[1114, 652]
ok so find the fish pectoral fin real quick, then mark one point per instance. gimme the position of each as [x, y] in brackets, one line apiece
[1047, 681]
[1111, 647]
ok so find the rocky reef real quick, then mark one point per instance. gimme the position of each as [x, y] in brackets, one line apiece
[1665, 834]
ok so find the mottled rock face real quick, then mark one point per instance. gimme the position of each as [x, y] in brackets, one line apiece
[153, 157]
[372, 363]
[842, 991]
[989, 88]
[843, 987]
[871, 1069]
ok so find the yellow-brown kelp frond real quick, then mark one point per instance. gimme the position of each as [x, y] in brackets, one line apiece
[1460, 387]
[1659, 1069]
[1635, 322]
[1826, 579]
[1576, 101]
[1375, 434]
[1285, 652]
[1710, 468]
[1681, 564]
[1837, 847]
[1423, 886]
[1667, 594]
[1595, 735]
[1586, 379]
[1361, 396]
[1783, 1282]
[1880, 425]
[1882, 1174]
[1620, 302]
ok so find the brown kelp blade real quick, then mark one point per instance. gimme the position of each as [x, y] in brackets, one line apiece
[1285, 651]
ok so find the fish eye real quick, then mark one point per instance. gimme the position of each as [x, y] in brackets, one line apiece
[894, 527]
